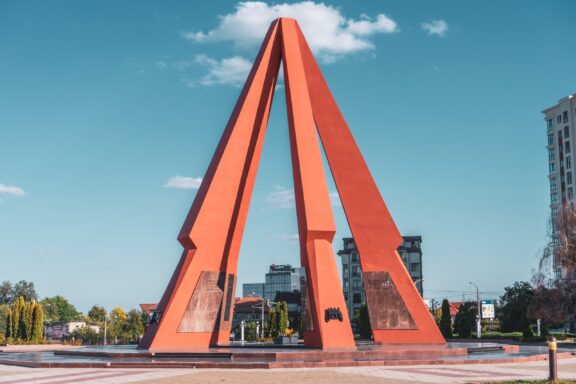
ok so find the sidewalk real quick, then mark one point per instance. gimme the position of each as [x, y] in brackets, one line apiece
[477, 373]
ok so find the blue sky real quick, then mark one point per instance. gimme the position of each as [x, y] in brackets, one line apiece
[104, 103]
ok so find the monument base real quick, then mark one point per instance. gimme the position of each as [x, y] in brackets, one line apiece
[271, 356]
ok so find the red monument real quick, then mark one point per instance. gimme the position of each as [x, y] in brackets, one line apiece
[197, 307]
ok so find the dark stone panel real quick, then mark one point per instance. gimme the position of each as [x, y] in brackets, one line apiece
[229, 294]
[385, 304]
[203, 309]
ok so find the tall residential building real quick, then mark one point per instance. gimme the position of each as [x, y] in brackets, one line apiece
[280, 278]
[561, 131]
[411, 253]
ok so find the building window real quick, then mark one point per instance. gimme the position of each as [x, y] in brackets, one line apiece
[565, 114]
[549, 123]
[569, 178]
[550, 139]
[345, 270]
[413, 267]
[566, 131]
[345, 297]
[354, 257]
[551, 154]
[357, 298]
[558, 119]
[356, 284]
[355, 270]
[552, 167]
[555, 211]
[567, 147]
[570, 193]
[554, 198]
[568, 162]
[553, 186]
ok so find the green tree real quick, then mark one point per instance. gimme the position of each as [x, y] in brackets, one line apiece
[134, 327]
[118, 320]
[281, 317]
[362, 319]
[513, 313]
[4, 312]
[10, 293]
[6, 293]
[446, 320]
[26, 290]
[272, 326]
[37, 323]
[25, 326]
[97, 314]
[16, 313]
[24, 322]
[87, 335]
[59, 309]
[465, 319]
[250, 331]
[9, 326]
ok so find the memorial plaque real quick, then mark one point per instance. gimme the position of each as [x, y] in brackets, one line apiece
[204, 306]
[388, 310]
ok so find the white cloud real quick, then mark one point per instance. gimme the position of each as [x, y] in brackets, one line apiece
[280, 197]
[289, 237]
[182, 182]
[435, 27]
[11, 191]
[161, 65]
[328, 32]
[229, 71]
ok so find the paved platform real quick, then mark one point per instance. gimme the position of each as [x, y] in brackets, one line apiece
[452, 374]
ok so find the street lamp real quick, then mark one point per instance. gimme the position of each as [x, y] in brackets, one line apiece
[262, 323]
[478, 316]
[105, 318]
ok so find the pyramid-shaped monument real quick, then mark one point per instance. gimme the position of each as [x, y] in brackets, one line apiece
[197, 307]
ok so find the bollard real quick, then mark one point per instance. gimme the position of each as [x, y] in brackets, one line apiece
[552, 360]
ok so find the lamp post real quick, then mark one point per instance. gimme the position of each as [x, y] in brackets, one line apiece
[478, 316]
[105, 318]
[262, 323]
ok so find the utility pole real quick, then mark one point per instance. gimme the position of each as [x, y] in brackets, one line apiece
[479, 315]
[105, 317]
